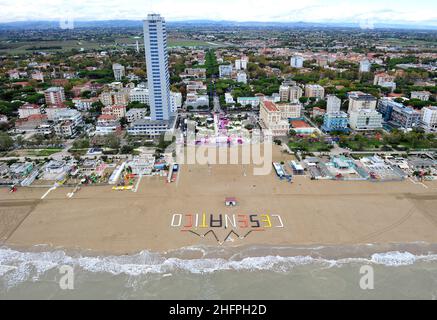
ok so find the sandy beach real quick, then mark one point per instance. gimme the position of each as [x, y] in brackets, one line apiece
[311, 212]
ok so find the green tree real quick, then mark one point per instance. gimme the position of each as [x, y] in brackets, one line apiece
[6, 142]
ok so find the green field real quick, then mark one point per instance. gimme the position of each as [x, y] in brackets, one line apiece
[43, 152]
[23, 47]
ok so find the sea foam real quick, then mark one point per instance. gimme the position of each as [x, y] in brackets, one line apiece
[17, 267]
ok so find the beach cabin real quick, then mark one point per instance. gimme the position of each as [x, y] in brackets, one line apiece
[231, 202]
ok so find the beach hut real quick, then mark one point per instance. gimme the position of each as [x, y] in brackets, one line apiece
[231, 202]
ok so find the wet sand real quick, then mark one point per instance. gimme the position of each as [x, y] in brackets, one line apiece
[313, 212]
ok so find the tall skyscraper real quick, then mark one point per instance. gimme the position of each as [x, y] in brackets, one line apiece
[155, 41]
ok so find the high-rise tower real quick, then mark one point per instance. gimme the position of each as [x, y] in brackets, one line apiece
[155, 41]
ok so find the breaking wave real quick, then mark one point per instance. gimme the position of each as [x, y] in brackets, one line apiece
[17, 267]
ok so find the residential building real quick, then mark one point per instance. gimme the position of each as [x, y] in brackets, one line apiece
[290, 110]
[147, 127]
[297, 62]
[385, 107]
[242, 77]
[31, 123]
[119, 97]
[284, 93]
[384, 80]
[117, 111]
[13, 74]
[119, 71]
[194, 73]
[54, 96]
[225, 71]
[253, 101]
[38, 76]
[241, 64]
[335, 121]
[359, 100]
[365, 120]
[405, 117]
[155, 40]
[82, 104]
[271, 118]
[429, 119]
[107, 124]
[27, 110]
[140, 95]
[314, 91]
[365, 66]
[296, 93]
[421, 95]
[65, 129]
[333, 104]
[136, 114]
[53, 110]
[74, 117]
[176, 101]
[195, 100]
[229, 99]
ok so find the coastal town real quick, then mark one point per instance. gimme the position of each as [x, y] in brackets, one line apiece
[206, 150]
[341, 110]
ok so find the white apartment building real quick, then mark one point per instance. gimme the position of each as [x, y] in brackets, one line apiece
[314, 91]
[136, 114]
[119, 71]
[38, 76]
[429, 119]
[140, 95]
[82, 104]
[147, 127]
[296, 62]
[421, 95]
[51, 112]
[225, 71]
[365, 66]
[296, 93]
[253, 101]
[28, 109]
[333, 104]
[365, 120]
[107, 124]
[284, 93]
[242, 77]
[176, 101]
[195, 100]
[241, 64]
[359, 100]
[272, 119]
[290, 110]
[229, 99]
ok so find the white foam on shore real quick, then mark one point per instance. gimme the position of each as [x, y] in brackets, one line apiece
[17, 267]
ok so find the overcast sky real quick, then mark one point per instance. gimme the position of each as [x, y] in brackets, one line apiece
[422, 12]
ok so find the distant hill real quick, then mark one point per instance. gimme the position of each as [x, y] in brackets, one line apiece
[32, 25]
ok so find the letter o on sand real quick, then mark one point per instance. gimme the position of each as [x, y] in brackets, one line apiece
[173, 220]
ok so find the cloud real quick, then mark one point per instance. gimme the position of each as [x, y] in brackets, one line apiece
[419, 11]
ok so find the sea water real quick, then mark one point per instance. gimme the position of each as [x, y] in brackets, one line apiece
[257, 272]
